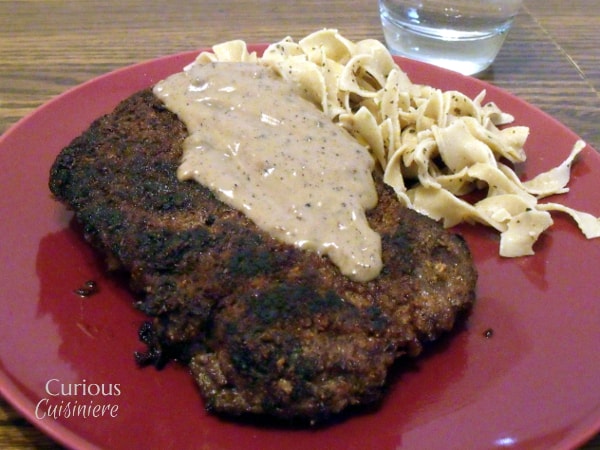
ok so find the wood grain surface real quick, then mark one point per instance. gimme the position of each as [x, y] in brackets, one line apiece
[550, 59]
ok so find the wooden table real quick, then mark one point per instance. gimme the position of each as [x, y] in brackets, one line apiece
[550, 59]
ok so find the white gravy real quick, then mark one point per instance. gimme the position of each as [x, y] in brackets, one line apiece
[267, 152]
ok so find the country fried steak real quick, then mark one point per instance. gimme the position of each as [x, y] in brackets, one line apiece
[264, 327]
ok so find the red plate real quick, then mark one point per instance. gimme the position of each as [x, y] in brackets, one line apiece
[532, 384]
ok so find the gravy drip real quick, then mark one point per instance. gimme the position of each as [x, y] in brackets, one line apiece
[267, 152]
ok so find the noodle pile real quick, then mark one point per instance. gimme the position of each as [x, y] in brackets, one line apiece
[434, 147]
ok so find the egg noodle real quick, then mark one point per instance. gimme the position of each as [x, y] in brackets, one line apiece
[434, 147]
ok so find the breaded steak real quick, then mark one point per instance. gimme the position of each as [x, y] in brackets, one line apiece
[265, 328]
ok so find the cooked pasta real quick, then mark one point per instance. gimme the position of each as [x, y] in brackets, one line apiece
[433, 146]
